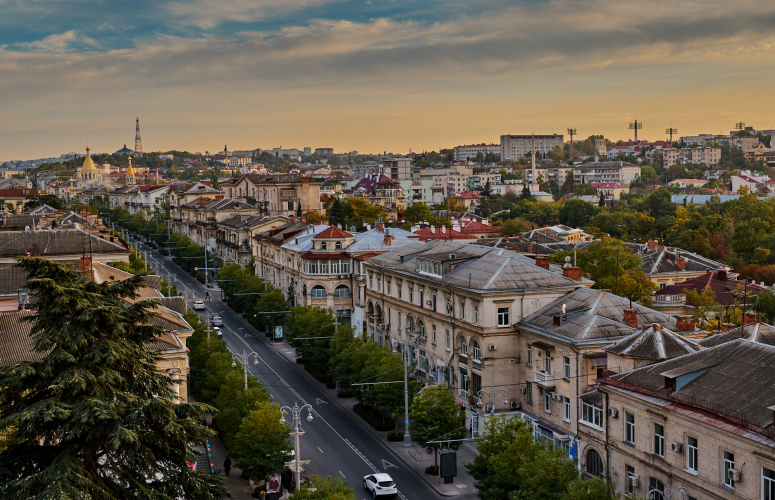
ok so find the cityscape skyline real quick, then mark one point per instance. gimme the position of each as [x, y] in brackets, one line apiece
[358, 75]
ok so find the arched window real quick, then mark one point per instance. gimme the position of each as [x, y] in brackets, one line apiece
[338, 245]
[420, 328]
[409, 324]
[594, 463]
[378, 314]
[341, 292]
[463, 347]
[370, 310]
[323, 245]
[318, 292]
[230, 194]
[476, 352]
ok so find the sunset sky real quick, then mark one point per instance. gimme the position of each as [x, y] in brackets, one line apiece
[374, 75]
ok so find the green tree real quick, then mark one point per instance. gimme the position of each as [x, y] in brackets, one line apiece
[94, 418]
[704, 304]
[584, 190]
[514, 226]
[577, 213]
[604, 262]
[327, 488]
[234, 403]
[262, 444]
[435, 415]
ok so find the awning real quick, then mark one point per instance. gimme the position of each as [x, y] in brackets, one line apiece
[599, 362]
[542, 345]
[593, 397]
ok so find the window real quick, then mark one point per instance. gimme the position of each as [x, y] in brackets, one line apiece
[729, 464]
[629, 428]
[411, 294]
[420, 328]
[592, 413]
[446, 340]
[547, 401]
[630, 486]
[341, 292]
[768, 484]
[379, 284]
[323, 245]
[409, 324]
[433, 334]
[657, 487]
[476, 315]
[400, 287]
[529, 392]
[399, 319]
[463, 382]
[371, 279]
[422, 360]
[529, 355]
[691, 454]
[566, 409]
[659, 440]
[476, 352]
[566, 367]
[503, 316]
[463, 311]
[594, 463]
[433, 302]
[422, 292]
[318, 292]
[387, 288]
[463, 347]
[548, 362]
[338, 245]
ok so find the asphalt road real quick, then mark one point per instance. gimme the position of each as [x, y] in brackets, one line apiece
[334, 442]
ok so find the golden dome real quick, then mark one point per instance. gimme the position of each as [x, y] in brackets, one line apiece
[130, 170]
[88, 163]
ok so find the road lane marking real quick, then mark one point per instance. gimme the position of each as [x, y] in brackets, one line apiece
[340, 473]
[321, 451]
[319, 401]
[386, 465]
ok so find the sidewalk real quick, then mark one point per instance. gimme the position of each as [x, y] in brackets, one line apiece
[415, 458]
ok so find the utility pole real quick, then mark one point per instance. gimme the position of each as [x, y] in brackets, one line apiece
[636, 126]
[297, 432]
[571, 133]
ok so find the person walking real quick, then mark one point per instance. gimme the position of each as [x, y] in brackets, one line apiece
[273, 488]
[227, 466]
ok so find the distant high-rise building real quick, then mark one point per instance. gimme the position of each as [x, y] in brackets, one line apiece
[307, 151]
[325, 152]
[600, 147]
[517, 146]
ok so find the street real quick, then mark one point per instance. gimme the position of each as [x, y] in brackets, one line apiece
[334, 441]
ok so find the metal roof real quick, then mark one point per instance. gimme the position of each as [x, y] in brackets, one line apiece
[655, 343]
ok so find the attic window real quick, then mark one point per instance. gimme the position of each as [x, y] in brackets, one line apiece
[670, 384]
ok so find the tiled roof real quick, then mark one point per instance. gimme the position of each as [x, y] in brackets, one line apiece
[15, 341]
[177, 304]
[722, 288]
[466, 195]
[654, 343]
[59, 242]
[442, 233]
[332, 232]
[662, 260]
[478, 227]
[761, 333]
[735, 379]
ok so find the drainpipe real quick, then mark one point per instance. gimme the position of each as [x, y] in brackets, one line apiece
[578, 377]
[607, 449]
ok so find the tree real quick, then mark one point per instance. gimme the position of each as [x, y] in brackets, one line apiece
[487, 190]
[262, 444]
[635, 285]
[584, 190]
[234, 403]
[704, 303]
[94, 418]
[435, 415]
[327, 488]
[605, 262]
[514, 226]
[576, 213]
[363, 211]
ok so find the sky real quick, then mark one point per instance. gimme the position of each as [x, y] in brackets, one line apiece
[374, 75]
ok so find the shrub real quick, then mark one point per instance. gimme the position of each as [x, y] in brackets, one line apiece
[432, 470]
[301, 361]
[376, 419]
[344, 394]
[394, 437]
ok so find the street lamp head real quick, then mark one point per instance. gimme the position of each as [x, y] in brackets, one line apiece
[505, 401]
[255, 362]
[309, 417]
[282, 419]
[233, 364]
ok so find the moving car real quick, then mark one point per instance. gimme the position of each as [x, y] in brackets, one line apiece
[199, 305]
[380, 485]
[217, 321]
[218, 331]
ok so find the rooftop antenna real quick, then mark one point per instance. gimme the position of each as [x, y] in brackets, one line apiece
[636, 126]
[571, 133]
[740, 125]
[671, 131]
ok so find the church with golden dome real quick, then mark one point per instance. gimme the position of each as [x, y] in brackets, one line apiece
[88, 175]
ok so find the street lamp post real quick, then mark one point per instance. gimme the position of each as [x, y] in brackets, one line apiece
[491, 396]
[297, 432]
[407, 436]
[244, 357]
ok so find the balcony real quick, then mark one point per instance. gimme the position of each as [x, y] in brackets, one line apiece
[545, 380]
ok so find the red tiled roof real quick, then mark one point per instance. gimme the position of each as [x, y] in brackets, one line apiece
[711, 280]
[12, 193]
[313, 255]
[366, 256]
[467, 195]
[478, 227]
[691, 181]
[448, 234]
[332, 232]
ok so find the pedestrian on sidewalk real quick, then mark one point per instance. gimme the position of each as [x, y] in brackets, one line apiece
[273, 488]
[227, 466]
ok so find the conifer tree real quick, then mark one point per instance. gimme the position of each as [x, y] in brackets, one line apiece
[93, 418]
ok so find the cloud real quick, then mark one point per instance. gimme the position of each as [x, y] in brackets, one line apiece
[60, 42]
[207, 14]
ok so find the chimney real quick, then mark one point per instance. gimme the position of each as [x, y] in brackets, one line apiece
[573, 273]
[722, 274]
[542, 262]
[506, 238]
[684, 323]
[388, 239]
[652, 244]
[725, 327]
[380, 227]
[529, 248]
[433, 229]
[631, 317]
[750, 318]
[521, 237]
[681, 263]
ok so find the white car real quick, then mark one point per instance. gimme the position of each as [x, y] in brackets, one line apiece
[199, 305]
[380, 485]
[217, 321]
[218, 331]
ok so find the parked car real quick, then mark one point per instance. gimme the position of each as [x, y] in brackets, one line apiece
[199, 305]
[217, 321]
[380, 485]
[218, 331]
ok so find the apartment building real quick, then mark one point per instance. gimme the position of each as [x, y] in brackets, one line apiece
[134, 198]
[397, 169]
[453, 307]
[199, 219]
[701, 423]
[186, 192]
[469, 151]
[620, 172]
[518, 146]
[283, 194]
[379, 189]
[610, 190]
[234, 236]
[708, 156]
[548, 171]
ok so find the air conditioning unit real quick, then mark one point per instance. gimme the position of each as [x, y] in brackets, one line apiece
[516, 405]
[677, 447]
[613, 412]
[429, 302]
[634, 481]
[734, 474]
[523, 390]
[492, 347]
[553, 395]
[559, 398]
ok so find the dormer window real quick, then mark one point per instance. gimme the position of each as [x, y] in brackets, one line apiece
[338, 245]
[323, 245]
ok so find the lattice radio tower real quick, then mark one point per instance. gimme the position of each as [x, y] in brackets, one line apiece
[571, 133]
[740, 126]
[671, 131]
[138, 142]
[636, 126]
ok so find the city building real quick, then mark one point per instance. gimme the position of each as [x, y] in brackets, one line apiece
[234, 236]
[610, 190]
[620, 172]
[707, 155]
[728, 293]
[514, 147]
[468, 200]
[380, 190]
[198, 219]
[755, 183]
[692, 183]
[324, 152]
[283, 194]
[469, 151]
[397, 169]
